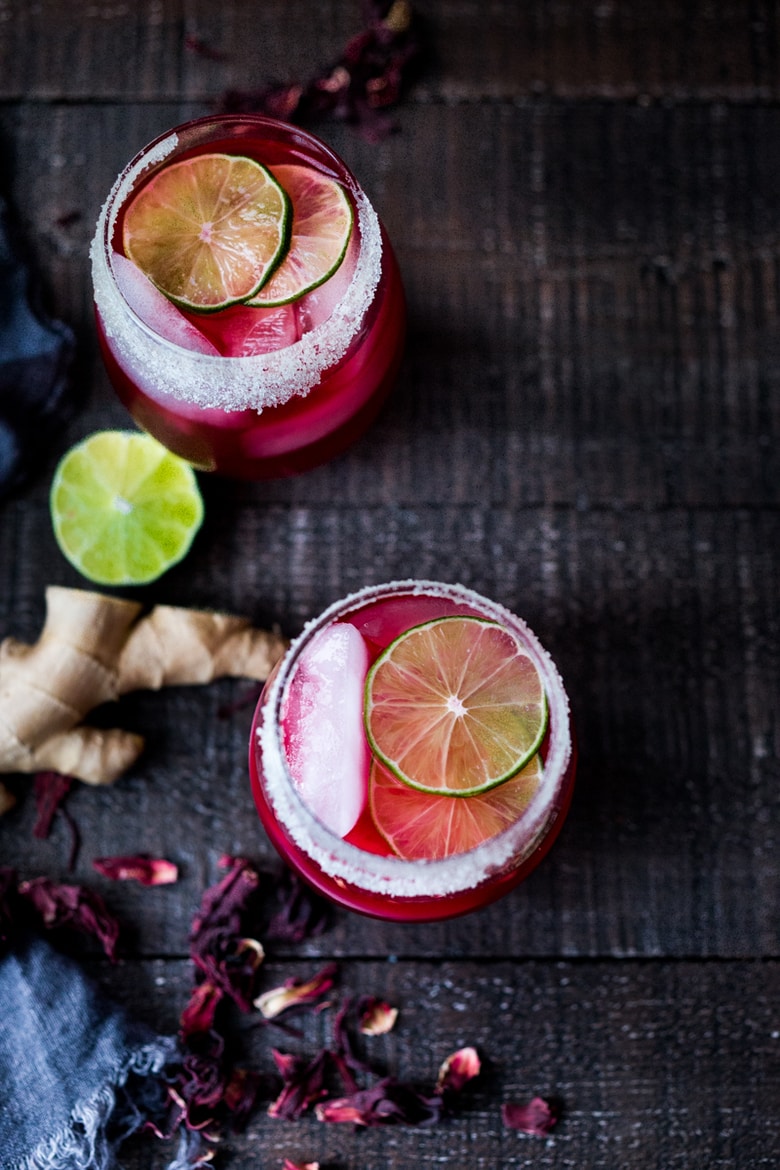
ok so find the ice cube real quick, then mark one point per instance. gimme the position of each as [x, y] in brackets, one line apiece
[244, 330]
[326, 746]
[154, 309]
[317, 306]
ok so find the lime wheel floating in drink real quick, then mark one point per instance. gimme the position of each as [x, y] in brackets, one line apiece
[124, 509]
[455, 706]
[321, 228]
[208, 230]
[423, 826]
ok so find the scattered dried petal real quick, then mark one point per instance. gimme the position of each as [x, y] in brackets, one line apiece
[457, 1070]
[64, 905]
[368, 77]
[240, 1095]
[288, 1165]
[301, 913]
[376, 1016]
[294, 993]
[387, 1102]
[50, 790]
[217, 943]
[537, 1117]
[149, 871]
[198, 1015]
[303, 1084]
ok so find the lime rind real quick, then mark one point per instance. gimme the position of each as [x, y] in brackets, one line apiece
[322, 226]
[209, 231]
[433, 738]
[124, 509]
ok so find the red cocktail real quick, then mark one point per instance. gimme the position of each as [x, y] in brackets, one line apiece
[412, 756]
[251, 390]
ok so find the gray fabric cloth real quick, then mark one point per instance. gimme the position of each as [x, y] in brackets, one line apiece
[73, 1068]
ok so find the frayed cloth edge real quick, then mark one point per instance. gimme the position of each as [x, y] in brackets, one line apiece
[83, 1145]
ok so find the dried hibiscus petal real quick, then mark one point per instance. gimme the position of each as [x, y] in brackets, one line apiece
[367, 78]
[303, 1084]
[65, 905]
[50, 790]
[537, 1117]
[149, 871]
[300, 913]
[457, 1070]
[376, 1016]
[289, 1165]
[295, 993]
[217, 943]
[386, 1102]
[198, 1015]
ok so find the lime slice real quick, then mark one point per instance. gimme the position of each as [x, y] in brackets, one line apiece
[321, 227]
[208, 230]
[455, 706]
[423, 826]
[123, 508]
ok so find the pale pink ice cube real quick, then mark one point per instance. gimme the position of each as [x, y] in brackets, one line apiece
[155, 310]
[318, 305]
[243, 331]
[325, 743]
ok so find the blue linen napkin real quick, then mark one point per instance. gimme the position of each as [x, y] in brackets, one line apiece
[77, 1075]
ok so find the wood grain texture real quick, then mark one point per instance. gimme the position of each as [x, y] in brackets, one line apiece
[598, 325]
[494, 50]
[647, 1059]
[584, 199]
[663, 625]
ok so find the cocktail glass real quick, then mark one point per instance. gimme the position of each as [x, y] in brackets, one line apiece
[216, 402]
[358, 870]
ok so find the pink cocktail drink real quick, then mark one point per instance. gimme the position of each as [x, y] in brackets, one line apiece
[251, 392]
[322, 790]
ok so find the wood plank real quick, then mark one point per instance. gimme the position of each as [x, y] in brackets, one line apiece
[499, 50]
[655, 1063]
[572, 347]
[664, 627]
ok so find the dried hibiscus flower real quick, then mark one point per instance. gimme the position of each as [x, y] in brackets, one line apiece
[386, 1102]
[303, 1084]
[295, 993]
[288, 1165]
[376, 1016]
[358, 88]
[457, 1070]
[72, 906]
[536, 1117]
[218, 946]
[50, 790]
[149, 871]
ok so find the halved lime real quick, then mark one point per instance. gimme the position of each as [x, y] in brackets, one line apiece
[208, 230]
[123, 508]
[455, 706]
[424, 826]
[321, 227]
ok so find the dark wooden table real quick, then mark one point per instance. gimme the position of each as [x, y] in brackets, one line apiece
[584, 198]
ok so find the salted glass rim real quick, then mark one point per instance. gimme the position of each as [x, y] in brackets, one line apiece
[393, 876]
[253, 381]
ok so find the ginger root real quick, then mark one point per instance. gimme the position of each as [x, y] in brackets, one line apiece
[94, 648]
